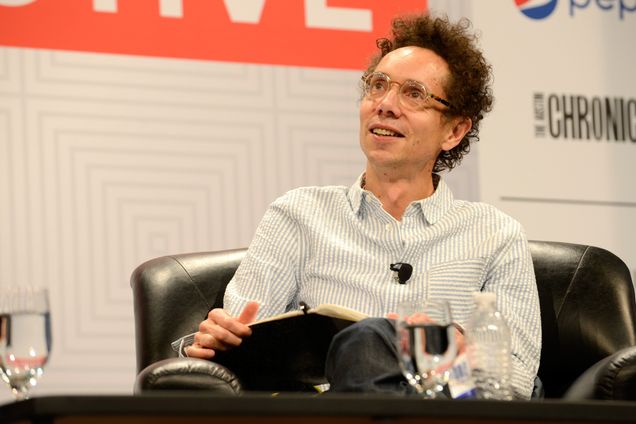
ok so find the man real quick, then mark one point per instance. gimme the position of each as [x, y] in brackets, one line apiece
[424, 96]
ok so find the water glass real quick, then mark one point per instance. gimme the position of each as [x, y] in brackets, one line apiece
[25, 337]
[426, 345]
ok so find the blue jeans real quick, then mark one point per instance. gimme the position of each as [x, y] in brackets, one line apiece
[363, 358]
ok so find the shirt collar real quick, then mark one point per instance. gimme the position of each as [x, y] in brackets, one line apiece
[438, 204]
[356, 195]
[433, 208]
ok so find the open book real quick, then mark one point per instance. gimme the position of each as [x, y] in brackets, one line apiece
[326, 309]
[288, 351]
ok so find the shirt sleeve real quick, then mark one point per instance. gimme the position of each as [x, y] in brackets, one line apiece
[269, 273]
[511, 277]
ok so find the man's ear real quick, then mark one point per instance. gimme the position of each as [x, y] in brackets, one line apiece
[458, 127]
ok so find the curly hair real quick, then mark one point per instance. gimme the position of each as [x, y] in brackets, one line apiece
[469, 86]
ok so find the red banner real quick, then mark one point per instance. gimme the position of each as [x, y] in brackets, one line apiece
[317, 33]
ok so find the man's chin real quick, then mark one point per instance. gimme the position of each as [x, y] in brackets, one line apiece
[384, 159]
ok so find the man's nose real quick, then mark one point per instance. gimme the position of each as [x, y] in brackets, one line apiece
[390, 103]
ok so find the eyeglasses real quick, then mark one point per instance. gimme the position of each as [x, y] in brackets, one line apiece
[412, 94]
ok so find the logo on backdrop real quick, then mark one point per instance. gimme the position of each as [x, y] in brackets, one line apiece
[575, 117]
[536, 9]
[541, 9]
[298, 33]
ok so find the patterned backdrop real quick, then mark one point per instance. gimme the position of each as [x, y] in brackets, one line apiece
[107, 161]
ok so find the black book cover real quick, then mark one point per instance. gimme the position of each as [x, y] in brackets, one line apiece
[287, 352]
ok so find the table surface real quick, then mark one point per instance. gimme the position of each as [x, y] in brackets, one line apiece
[373, 407]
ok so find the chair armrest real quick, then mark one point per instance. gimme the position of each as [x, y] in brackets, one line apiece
[611, 378]
[187, 374]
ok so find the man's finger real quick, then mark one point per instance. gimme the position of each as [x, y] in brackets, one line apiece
[248, 315]
[197, 352]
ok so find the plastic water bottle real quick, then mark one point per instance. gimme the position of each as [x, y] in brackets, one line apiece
[488, 349]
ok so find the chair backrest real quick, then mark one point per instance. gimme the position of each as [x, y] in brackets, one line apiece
[587, 309]
[173, 294]
[586, 294]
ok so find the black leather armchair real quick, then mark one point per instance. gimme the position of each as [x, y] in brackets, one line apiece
[587, 307]
[588, 314]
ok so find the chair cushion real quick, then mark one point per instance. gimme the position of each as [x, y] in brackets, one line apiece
[613, 378]
[187, 374]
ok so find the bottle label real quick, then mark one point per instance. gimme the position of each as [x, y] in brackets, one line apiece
[460, 382]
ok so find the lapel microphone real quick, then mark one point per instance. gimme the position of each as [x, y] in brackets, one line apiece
[402, 271]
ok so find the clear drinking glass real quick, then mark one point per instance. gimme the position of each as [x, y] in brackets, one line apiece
[426, 345]
[25, 337]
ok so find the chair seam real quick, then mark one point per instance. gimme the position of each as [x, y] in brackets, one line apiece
[574, 276]
[611, 376]
[196, 287]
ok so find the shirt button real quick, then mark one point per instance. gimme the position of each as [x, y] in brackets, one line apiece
[388, 227]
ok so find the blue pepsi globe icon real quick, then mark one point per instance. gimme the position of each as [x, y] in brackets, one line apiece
[536, 9]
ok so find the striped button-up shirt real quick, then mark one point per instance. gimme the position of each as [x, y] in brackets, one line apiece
[335, 245]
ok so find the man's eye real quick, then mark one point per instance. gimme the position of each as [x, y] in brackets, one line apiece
[378, 85]
[414, 93]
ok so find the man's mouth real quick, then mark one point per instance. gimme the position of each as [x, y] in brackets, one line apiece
[385, 132]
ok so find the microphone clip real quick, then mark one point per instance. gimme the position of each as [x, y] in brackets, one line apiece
[401, 271]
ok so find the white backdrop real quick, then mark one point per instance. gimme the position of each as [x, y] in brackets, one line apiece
[107, 161]
[567, 189]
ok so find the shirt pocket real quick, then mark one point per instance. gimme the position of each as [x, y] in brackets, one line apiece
[456, 281]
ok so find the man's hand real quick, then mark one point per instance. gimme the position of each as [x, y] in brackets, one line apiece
[220, 332]
[460, 341]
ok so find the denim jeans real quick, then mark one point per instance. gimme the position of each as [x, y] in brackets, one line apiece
[363, 358]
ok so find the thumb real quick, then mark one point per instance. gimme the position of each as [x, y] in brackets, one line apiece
[249, 313]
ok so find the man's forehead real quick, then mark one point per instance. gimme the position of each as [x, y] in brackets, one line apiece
[416, 54]
[414, 62]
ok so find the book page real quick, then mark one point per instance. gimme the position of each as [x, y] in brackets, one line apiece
[337, 311]
[326, 309]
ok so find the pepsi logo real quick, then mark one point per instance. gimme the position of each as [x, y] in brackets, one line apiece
[536, 9]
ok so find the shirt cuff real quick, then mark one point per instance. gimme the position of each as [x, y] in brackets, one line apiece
[179, 345]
